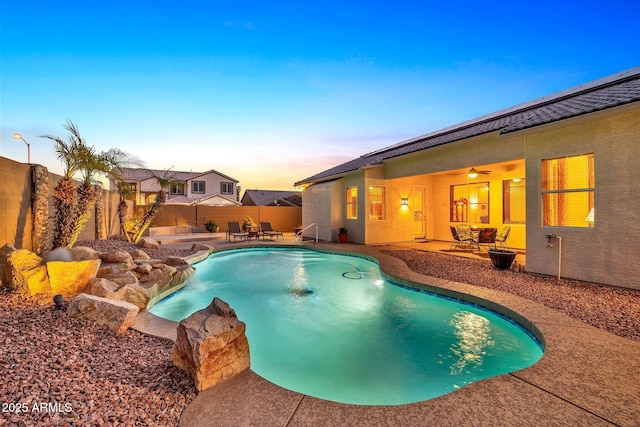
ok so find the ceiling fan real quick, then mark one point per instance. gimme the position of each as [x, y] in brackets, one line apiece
[472, 173]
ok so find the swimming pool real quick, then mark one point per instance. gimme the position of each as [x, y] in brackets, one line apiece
[330, 326]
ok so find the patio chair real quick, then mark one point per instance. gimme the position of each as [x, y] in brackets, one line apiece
[486, 237]
[267, 230]
[461, 239]
[233, 229]
[503, 236]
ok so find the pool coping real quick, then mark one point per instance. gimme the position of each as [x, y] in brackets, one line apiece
[586, 376]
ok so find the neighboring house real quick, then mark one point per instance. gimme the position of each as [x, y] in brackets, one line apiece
[561, 171]
[210, 188]
[271, 198]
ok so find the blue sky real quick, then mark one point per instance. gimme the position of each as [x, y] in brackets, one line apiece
[273, 92]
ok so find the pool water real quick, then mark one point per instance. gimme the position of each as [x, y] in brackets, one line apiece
[329, 326]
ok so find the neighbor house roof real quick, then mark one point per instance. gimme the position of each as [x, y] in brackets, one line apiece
[135, 174]
[612, 91]
[271, 197]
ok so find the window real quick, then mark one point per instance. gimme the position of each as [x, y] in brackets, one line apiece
[177, 188]
[226, 188]
[352, 202]
[514, 206]
[197, 187]
[470, 203]
[376, 203]
[568, 186]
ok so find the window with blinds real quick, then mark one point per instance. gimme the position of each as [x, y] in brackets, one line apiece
[352, 203]
[568, 187]
[377, 203]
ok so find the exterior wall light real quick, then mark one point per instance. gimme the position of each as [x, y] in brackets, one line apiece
[404, 201]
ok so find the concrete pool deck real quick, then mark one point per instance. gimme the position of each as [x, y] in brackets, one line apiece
[586, 377]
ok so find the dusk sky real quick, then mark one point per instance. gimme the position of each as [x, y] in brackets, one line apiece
[272, 92]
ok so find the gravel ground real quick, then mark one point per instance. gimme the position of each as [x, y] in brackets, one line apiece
[58, 370]
[612, 309]
[83, 373]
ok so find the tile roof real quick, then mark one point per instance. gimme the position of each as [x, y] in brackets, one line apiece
[136, 174]
[612, 91]
[267, 197]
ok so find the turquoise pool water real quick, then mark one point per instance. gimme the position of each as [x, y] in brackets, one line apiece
[329, 326]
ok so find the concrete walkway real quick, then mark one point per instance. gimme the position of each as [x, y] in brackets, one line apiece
[587, 377]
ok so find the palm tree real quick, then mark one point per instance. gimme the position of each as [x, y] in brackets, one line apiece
[113, 162]
[164, 181]
[73, 206]
[124, 191]
[64, 194]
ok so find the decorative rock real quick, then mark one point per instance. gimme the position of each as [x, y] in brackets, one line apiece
[118, 256]
[138, 254]
[165, 268]
[25, 272]
[102, 287]
[71, 278]
[175, 261]
[201, 247]
[116, 315]
[211, 345]
[133, 294]
[149, 243]
[126, 278]
[80, 253]
[144, 269]
[159, 277]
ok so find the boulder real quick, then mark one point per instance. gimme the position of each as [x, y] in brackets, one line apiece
[102, 287]
[25, 272]
[165, 268]
[133, 294]
[125, 278]
[117, 256]
[211, 345]
[71, 278]
[80, 253]
[139, 254]
[148, 242]
[159, 277]
[201, 247]
[143, 269]
[175, 261]
[116, 315]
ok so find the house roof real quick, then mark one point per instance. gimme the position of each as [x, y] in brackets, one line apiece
[269, 197]
[134, 174]
[611, 91]
[213, 171]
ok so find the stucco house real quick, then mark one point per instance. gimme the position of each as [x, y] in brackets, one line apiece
[271, 198]
[210, 188]
[561, 171]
